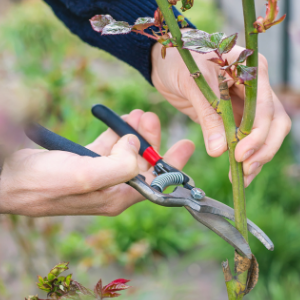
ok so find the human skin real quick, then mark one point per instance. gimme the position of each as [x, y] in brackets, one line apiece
[171, 78]
[40, 183]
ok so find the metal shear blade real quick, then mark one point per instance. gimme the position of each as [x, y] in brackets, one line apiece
[224, 229]
[207, 211]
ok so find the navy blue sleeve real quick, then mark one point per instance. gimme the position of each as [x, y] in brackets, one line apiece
[132, 48]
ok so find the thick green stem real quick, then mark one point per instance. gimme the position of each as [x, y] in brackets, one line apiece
[252, 61]
[237, 285]
[225, 107]
[186, 55]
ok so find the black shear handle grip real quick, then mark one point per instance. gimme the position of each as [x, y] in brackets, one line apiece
[52, 141]
[120, 127]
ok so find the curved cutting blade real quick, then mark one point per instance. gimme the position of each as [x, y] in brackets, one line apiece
[224, 229]
[209, 205]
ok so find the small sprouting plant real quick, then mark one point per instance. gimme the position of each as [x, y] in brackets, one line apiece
[64, 287]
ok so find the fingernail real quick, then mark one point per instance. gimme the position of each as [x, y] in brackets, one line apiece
[248, 154]
[216, 141]
[249, 179]
[133, 142]
[253, 167]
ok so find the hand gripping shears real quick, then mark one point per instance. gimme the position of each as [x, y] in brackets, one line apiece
[205, 210]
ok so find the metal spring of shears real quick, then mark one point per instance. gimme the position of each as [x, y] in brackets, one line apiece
[167, 179]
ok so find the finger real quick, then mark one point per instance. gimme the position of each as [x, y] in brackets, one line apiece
[263, 118]
[249, 179]
[210, 121]
[104, 143]
[280, 127]
[149, 128]
[179, 154]
[107, 202]
[92, 174]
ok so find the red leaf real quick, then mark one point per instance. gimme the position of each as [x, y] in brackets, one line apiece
[159, 18]
[263, 24]
[109, 291]
[246, 73]
[98, 288]
[242, 57]
[217, 61]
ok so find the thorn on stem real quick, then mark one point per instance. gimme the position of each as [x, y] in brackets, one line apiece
[196, 74]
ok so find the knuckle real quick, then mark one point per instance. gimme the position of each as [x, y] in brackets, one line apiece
[210, 118]
[269, 156]
[129, 166]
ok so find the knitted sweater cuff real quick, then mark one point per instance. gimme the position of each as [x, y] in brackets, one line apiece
[132, 48]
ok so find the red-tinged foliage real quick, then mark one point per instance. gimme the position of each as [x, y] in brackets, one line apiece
[217, 61]
[263, 24]
[159, 18]
[106, 25]
[111, 289]
[64, 287]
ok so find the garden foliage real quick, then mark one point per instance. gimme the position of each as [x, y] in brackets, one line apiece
[43, 53]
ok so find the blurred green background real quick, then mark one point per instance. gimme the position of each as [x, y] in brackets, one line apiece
[163, 249]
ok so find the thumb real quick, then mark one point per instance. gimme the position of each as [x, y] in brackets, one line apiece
[124, 158]
[106, 171]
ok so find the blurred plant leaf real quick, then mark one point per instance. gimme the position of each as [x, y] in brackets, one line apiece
[242, 57]
[98, 22]
[246, 73]
[203, 42]
[111, 289]
[226, 44]
[118, 27]
[143, 23]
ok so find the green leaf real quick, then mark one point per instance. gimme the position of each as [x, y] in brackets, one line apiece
[68, 280]
[227, 43]
[59, 269]
[198, 41]
[246, 73]
[217, 37]
[51, 277]
[187, 4]
[98, 22]
[40, 279]
[118, 27]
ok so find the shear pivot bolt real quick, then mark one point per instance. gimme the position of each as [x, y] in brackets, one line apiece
[197, 194]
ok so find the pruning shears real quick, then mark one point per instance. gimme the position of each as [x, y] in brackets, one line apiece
[209, 212]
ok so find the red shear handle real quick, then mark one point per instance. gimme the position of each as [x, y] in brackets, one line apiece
[151, 156]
